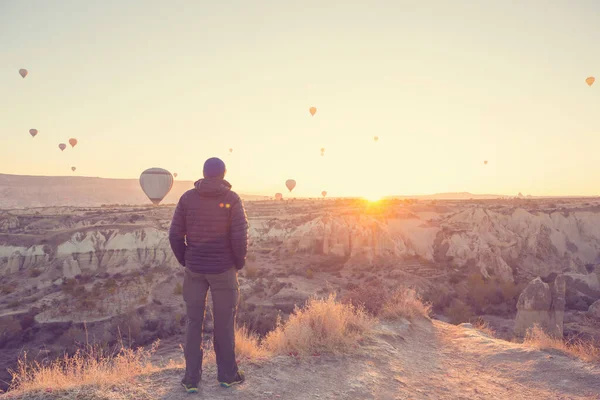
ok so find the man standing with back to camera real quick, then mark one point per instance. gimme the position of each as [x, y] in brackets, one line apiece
[209, 236]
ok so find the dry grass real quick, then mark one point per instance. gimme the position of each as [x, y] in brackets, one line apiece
[484, 327]
[93, 366]
[585, 351]
[247, 345]
[405, 303]
[323, 325]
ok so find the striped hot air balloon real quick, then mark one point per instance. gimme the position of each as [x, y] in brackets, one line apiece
[156, 184]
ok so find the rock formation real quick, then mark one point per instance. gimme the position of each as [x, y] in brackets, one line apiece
[594, 310]
[542, 304]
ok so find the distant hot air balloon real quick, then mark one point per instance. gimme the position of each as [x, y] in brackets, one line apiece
[175, 175]
[62, 146]
[323, 193]
[156, 183]
[590, 80]
[73, 169]
[231, 150]
[72, 142]
[312, 110]
[23, 72]
[485, 162]
[278, 196]
[290, 184]
[376, 138]
[33, 132]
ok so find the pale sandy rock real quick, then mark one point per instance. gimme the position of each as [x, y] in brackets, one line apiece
[543, 305]
[8, 222]
[70, 268]
[594, 310]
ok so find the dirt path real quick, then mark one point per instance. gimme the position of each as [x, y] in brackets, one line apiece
[407, 361]
[422, 360]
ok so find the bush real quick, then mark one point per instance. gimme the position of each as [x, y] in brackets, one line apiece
[251, 272]
[586, 351]
[92, 366]
[309, 273]
[370, 298]
[405, 303]
[247, 344]
[178, 290]
[483, 294]
[34, 273]
[459, 312]
[323, 325]
[484, 327]
[6, 289]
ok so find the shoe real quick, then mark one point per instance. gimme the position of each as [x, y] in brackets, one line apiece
[239, 378]
[190, 388]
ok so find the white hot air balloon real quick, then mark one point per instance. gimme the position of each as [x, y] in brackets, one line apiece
[156, 183]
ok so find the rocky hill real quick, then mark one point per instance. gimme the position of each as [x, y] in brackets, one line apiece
[24, 191]
[112, 267]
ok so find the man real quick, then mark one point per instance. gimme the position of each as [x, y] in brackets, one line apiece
[209, 236]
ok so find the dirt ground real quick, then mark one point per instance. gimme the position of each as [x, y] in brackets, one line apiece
[420, 360]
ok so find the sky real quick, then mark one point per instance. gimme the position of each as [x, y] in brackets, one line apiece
[444, 85]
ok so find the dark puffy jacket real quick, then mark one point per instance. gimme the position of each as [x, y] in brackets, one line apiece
[209, 231]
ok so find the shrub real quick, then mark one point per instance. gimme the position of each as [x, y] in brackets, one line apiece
[14, 304]
[459, 312]
[6, 289]
[309, 273]
[370, 298]
[92, 366]
[585, 351]
[178, 290]
[439, 298]
[484, 327]
[251, 272]
[405, 303]
[247, 344]
[34, 273]
[323, 325]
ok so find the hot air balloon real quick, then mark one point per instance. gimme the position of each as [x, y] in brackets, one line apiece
[376, 138]
[23, 72]
[312, 110]
[231, 150]
[156, 183]
[590, 80]
[323, 193]
[33, 132]
[175, 175]
[73, 169]
[290, 184]
[62, 146]
[278, 196]
[485, 162]
[72, 142]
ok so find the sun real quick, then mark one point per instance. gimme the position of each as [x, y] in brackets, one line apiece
[373, 198]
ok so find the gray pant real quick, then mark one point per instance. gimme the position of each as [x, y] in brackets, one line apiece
[224, 288]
